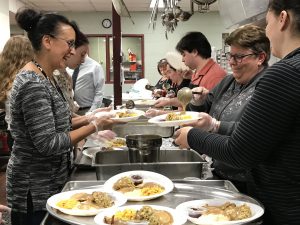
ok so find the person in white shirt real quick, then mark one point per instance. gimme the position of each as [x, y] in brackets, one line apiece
[88, 91]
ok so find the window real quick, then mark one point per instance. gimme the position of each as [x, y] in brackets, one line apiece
[101, 49]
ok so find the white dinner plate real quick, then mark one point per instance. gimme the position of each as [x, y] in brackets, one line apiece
[145, 102]
[138, 113]
[99, 146]
[161, 120]
[118, 199]
[178, 217]
[256, 210]
[147, 176]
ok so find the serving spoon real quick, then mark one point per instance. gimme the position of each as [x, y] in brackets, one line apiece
[184, 95]
[128, 105]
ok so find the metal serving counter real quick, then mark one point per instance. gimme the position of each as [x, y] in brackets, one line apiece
[184, 191]
[84, 176]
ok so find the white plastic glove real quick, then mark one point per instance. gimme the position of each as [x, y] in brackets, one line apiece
[154, 112]
[102, 120]
[103, 136]
[206, 123]
[198, 99]
[161, 102]
[100, 113]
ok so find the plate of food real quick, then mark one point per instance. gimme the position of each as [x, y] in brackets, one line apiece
[127, 115]
[141, 214]
[139, 185]
[145, 102]
[175, 118]
[220, 211]
[87, 202]
[117, 143]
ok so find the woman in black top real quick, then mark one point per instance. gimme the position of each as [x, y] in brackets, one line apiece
[225, 104]
[164, 83]
[266, 141]
[162, 68]
[178, 72]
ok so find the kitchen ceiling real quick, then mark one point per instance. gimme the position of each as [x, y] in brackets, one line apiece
[99, 5]
[96, 6]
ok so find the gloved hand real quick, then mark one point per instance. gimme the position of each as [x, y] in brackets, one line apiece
[103, 123]
[199, 98]
[103, 136]
[154, 112]
[161, 102]
[206, 123]
[100, 113]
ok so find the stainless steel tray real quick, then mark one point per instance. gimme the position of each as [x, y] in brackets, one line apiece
[183, 191]
[175, 164]
[141, 126]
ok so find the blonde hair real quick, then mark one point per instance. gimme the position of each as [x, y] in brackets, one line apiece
[16, 53]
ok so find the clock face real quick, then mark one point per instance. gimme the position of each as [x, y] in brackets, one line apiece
[106, 23]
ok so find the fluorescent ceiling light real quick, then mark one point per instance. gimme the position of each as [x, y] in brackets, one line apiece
[160, 3]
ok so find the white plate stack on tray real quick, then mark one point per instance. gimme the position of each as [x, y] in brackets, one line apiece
[140, 210]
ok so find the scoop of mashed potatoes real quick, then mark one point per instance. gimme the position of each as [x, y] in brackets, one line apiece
[210, 218]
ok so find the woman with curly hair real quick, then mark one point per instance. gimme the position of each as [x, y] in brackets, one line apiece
[16, 53]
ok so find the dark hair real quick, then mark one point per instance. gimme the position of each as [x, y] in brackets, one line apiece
[277, 6]
[251, 37]
[38, 24]
[195, 41]
[81, 39]
[161, 63]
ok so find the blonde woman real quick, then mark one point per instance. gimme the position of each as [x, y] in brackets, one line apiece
[16, 53]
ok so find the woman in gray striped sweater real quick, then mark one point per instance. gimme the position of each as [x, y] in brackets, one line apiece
[267, 139]
[41, 121]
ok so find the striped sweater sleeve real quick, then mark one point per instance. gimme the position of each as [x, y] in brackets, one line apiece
[269, 128]
[46, 128]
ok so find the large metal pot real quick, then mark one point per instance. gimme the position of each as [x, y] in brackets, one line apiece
[143, 148]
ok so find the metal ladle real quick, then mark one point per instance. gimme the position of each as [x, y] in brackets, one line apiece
[184, 95]
[128, 105]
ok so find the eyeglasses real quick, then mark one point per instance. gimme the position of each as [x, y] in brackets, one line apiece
[71, 43]
[238, 57]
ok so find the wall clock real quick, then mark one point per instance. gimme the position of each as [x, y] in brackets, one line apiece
[106, 23]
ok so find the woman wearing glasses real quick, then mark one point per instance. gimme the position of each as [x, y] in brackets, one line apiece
[41, 125]
[224, 105]
[266, 141]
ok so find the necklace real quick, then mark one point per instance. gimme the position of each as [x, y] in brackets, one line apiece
[54, 84]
